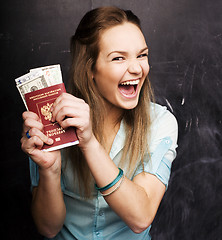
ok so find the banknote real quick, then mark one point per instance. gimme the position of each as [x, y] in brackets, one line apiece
[52, 74]
[31, 85]
[27, 77]
[45, 68]
[38, 78]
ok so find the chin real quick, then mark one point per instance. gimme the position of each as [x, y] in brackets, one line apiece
[129, 106]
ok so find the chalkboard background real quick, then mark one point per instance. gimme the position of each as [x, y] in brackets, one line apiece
[185, 42]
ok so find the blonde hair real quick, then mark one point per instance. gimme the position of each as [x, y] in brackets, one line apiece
[84, 51]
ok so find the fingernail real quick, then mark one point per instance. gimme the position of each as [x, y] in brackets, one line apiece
[52, 118]
[50, 141]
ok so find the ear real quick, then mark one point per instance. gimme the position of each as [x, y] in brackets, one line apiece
[93, 77]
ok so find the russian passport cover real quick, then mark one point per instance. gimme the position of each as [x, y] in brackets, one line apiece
[40, 102]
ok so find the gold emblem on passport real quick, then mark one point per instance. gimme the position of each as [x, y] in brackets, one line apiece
[45, 110]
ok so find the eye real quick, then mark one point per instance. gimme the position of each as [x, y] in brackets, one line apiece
[118, 59]
[143, 55]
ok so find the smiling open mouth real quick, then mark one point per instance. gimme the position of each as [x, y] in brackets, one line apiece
[128, 88]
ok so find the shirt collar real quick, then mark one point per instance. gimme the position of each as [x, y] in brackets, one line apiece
[119, 141]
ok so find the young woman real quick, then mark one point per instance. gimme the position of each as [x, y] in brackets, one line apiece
[111, 184]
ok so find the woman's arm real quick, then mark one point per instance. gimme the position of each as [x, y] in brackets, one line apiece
[137, 201]
[48, 208]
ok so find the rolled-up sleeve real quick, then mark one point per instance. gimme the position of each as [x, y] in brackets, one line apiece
[158, 165]
[163, 146]
[34, 173]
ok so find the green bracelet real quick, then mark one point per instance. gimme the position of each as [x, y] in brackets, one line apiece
[112, 183]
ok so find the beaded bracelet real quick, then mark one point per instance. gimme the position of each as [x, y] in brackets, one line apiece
[115, 189]
[112, 183]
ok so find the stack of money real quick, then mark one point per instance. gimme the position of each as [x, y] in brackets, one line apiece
[38, 78]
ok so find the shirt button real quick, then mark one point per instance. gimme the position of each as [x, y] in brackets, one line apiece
[97, 233]
[101, 213]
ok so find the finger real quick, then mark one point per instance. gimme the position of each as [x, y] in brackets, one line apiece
[31, 123]
[63, 113]
[30, 145]
[67, 97]
[29, 114]
[78, 118]
[73, 122]
[67, 107]
[31, 120]
[64, 96]
[35, 132]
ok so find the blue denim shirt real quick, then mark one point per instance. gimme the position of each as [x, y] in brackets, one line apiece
[92, 218]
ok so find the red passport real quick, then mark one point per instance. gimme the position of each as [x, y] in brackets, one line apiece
[40, 102]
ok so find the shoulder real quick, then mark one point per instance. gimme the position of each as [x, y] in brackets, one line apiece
[163, 125]
[161, 117]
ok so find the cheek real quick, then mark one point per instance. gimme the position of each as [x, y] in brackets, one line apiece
[118, 69]
[146, 68]
[114, 74]
[105, 80]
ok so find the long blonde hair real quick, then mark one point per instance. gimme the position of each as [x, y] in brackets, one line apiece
[84, 51]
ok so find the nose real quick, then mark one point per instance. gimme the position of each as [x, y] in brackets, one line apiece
[134, 67]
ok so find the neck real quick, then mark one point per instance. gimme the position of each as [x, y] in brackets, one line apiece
[111, 126]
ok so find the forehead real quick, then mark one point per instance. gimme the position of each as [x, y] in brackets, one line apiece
[122, 37]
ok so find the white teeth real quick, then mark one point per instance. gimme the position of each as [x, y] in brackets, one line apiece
[135, 82]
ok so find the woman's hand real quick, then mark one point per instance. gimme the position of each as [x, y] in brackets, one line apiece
[32, 146]
[70, 111]
[48, 208]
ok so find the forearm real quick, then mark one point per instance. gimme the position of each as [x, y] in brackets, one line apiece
[130, 202]
[48, 208]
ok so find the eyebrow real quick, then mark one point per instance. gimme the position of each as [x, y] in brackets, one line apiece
[124, 52]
